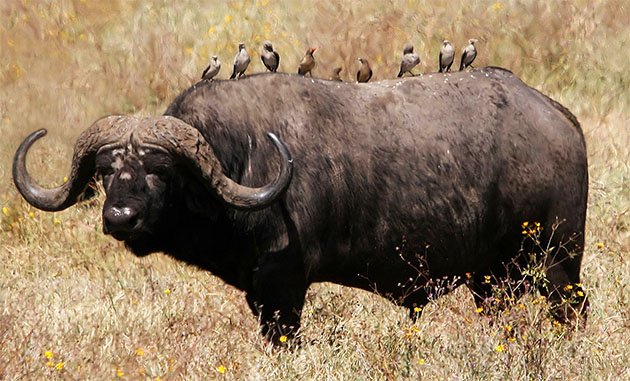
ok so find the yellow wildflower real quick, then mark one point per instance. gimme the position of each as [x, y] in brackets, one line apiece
[227, 19]
[580, 293]
[417, 309]
[568, 287]
[511, 339]
[56, 221]
[221, 369]
[60, 365]
[508, 327]
[167, 291]
[421, 361]
[486, 279]
[16, 71]
[600, 245]
[50, 364]
[525, 224]
[497, 6]
[139, 352]
[499, 348]
[31, 214]
[267, 28]
[65, 179]
[479, 310]
[48, 354]
[5, 211]
[283, 339]
[119, 373]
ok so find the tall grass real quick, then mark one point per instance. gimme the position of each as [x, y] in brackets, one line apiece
[75, 305]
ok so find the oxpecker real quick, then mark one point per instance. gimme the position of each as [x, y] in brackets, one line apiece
[335, 74]
[447, 56]
[269, 57]
[241, 61]
[365, 72]
[468, 54]
[308, 62]
[409, 61]
[212, 70]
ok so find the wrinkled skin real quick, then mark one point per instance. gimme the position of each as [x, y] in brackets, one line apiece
[400, 187]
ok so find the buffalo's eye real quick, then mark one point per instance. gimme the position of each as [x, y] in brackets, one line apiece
[105, 173]
[158, 164]
[106, 165]
[159, 170]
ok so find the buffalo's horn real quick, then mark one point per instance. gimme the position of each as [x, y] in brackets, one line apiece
[82, 170]
[183, 140]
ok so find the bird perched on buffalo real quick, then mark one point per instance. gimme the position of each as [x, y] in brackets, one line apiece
[308, 62]
[241, 61]
[409, 61]
[269, 57]
[447, 56]
[365, 71]
[469, 53]
[212, 70]
[335, 74]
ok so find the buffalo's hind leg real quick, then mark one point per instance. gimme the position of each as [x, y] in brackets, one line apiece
[569, 304]
[500, 286]
[277, 298]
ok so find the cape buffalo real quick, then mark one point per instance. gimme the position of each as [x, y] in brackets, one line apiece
[390, 187]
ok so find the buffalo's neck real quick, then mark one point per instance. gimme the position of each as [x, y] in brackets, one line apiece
[213, 247]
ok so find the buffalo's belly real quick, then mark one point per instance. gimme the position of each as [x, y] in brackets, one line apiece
[401, 270]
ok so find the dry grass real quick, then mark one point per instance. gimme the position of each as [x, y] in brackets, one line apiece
[102, 314]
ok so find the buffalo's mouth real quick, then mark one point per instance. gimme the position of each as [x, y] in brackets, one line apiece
[138, 242]
[127, 235]
[121, 236]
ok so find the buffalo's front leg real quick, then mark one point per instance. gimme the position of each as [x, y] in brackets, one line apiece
[277, 297]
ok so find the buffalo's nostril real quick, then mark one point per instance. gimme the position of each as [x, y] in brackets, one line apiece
[117, 220]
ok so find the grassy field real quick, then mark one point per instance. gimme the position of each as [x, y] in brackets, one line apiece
[75, 305]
